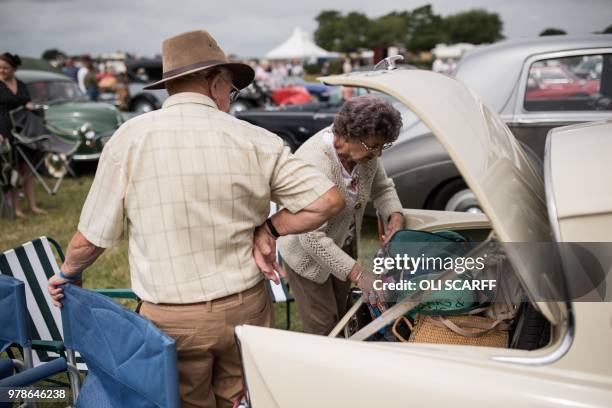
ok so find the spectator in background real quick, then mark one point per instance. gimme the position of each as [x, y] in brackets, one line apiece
[123, 94]
[347, 66]
[90, 81]
[296, 68]
[440, 65]
[14, 94]
[85, 64]
[325, 68]
[70, 69]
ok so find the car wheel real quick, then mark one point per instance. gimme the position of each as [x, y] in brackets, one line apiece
[454, 196]
[143, 106]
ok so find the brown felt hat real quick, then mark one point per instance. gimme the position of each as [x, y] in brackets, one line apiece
[196, 51]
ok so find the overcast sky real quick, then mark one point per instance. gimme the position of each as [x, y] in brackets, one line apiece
[245, 27]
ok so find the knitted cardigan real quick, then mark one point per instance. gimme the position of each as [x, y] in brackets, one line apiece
[317, 254]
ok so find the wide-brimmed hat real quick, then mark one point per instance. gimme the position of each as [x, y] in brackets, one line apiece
[196, 51]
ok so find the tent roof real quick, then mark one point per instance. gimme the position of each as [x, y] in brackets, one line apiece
[298, 45]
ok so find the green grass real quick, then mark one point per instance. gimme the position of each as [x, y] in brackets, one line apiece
[111, 270]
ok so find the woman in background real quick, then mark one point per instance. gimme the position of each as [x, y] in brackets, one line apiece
[14, 94]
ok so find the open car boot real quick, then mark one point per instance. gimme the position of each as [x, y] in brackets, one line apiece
[458, 310]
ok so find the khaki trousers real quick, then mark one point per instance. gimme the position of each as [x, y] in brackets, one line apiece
[320, 306]
[208, 360]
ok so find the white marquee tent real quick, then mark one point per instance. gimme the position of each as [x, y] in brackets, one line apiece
[299, 45]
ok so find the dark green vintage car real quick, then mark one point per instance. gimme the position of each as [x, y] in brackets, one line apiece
[69, 114]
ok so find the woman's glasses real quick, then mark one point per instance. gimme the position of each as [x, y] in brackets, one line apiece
[385, 146]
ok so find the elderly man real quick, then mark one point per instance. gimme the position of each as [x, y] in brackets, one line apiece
[194, 184]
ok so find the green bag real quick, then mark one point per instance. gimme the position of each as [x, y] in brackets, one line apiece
[443, 244]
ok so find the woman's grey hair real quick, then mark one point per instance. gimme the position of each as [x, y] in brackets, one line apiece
[368, 117]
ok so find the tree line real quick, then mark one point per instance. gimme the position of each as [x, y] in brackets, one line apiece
[417, 30]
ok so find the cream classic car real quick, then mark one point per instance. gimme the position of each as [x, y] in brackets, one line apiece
[571, 368]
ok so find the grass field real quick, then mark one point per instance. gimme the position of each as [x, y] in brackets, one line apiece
[111, 269]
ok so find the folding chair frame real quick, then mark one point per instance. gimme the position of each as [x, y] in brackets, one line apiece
[25, 259]
[21, 140]
[27, 365]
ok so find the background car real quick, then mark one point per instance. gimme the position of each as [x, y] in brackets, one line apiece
[524, 212]
[290, 92]
[140, 73]
[500, 74]
[555, 87]
[294, 123]
[69, 114]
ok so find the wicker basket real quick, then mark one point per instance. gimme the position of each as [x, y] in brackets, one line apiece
[428, 329]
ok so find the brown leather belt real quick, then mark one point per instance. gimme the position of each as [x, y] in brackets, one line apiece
[218, 300]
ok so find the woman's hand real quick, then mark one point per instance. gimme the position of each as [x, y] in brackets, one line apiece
[365, 282]
[396, 223]
[29, 106]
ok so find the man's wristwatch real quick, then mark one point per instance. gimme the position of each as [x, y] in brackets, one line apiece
[272, 229]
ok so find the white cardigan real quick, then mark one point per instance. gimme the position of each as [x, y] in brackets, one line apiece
[317, 254]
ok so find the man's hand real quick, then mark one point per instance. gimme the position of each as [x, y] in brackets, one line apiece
[264, 252]
[56, 292]
[80, 254]
[396, 223]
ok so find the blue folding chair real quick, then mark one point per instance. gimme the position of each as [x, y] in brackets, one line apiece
[15, 331]
[131, 362]
[34, 263]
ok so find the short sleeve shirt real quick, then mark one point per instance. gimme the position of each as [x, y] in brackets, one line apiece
[189, 184]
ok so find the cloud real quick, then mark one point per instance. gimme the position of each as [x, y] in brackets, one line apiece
[242, 27]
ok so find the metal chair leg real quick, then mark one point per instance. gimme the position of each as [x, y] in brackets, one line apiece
[73, 374]
[34, 171]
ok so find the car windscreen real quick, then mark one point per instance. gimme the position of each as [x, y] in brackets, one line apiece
[49, 92]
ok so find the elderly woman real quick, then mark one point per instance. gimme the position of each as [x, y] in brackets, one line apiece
[323, 263]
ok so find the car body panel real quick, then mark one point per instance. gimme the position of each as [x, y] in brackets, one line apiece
[581, 219]
[429, 220]
[101, 117]
[311, 117]
[286, 369]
